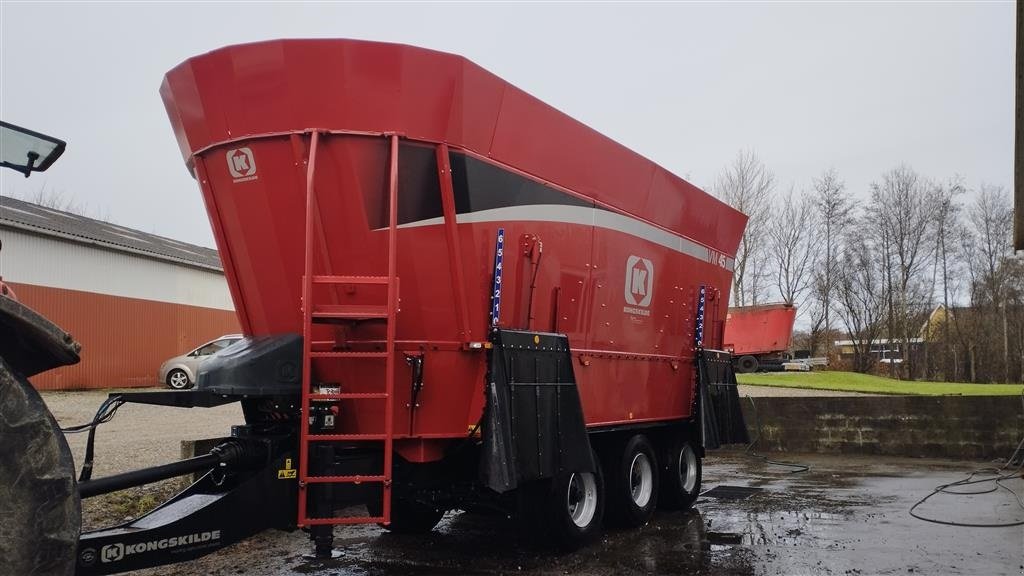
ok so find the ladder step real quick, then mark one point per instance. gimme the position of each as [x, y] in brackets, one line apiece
[344, 437]
[330, 279]
[330, 312]
[350, 396]
[343, 520]
[346, 354]
[344, 479]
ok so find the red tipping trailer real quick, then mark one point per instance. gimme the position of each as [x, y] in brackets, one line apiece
[756, 335]
[454, 296]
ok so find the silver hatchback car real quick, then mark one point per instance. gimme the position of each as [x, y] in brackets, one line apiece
[180, 372]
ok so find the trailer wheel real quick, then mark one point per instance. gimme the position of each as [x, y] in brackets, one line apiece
[565, 511]
[632, 474]
[746, 364]
[680, 475]
[408, 516]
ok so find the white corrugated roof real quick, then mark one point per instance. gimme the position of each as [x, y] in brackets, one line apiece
[48, 221]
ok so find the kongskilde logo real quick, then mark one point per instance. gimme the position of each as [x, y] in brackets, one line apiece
[118, 550]
[639, 285]
[241, 164]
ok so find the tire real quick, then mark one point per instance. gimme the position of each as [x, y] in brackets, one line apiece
[178, 379]
[408, 516]
[565, 511]
[633, 476]
[746, 364]
[680, 475]
[40, 506]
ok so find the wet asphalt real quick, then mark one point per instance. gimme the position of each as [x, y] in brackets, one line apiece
[845, 515]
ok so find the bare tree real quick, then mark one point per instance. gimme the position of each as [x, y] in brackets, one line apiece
[991, 220]
[55, 199]
[835, 212]
[860, 298]
[965, 322]
[59, 200]
[747, 186]
[815, 313]
[883, 236]
[902, 209]
[946, 217]
[990, 225]
[792, 245]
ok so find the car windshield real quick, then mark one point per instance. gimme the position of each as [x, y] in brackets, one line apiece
[214, 347]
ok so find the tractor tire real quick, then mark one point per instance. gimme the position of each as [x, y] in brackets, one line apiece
[39, 503]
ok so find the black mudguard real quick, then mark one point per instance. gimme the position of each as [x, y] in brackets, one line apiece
[719, 401]
[533, 425]
[39, 504]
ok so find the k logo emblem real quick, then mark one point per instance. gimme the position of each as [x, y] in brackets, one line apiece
[112, 552]
[241, 164]
[639, 281]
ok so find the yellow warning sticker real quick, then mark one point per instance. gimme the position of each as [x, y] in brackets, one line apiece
[287, 473]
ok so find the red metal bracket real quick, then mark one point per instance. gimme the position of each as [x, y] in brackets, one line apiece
[451, 233]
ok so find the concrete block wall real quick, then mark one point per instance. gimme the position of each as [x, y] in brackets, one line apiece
[962, 427]
[958, 427]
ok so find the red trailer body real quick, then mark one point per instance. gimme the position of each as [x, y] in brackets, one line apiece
[525, 166]
[761, 332]
[298, 145]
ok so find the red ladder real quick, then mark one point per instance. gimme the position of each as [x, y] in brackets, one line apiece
[314, 313]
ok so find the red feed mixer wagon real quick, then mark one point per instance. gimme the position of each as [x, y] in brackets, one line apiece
[759, 337]
[454, 297]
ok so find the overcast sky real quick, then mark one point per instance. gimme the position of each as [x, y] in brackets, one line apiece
[860, 87]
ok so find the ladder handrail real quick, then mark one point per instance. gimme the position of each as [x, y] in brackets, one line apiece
[310, 314]
[307, 319]
[389, 377]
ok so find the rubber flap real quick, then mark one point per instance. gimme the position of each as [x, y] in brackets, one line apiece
[721, 417]
[533, 425]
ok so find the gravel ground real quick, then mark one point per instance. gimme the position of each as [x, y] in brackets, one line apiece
[139, 436]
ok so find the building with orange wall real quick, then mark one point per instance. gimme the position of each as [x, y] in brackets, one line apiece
[130, 298]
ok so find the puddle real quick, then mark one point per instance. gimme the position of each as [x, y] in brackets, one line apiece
[725, 492]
